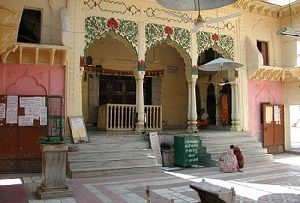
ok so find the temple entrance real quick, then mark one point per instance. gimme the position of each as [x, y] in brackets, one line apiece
[170, 89]
[211, 84]
[122, 90]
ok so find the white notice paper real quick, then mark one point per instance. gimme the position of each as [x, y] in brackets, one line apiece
[39, 101]
[12, 109]
[277, 114]
[2, 110]
[30, 111]
[25, 120]
[43, 115]
[77, 123]
[27, 102]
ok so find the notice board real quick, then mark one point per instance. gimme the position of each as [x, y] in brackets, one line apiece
[186, 150]
[78, 129]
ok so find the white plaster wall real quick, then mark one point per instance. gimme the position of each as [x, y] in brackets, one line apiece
[263, 28]
[51, 24]
[291, 96]
[289, 44]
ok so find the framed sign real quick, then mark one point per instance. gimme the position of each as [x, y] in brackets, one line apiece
[78, 129]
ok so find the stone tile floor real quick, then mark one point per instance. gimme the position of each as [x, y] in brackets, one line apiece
[277, 181]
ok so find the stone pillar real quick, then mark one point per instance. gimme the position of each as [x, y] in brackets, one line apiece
[235, 109]
[192, 122]
[140, 122]
[73, 93]
[191, 76]
[54, 172]
[139, 78]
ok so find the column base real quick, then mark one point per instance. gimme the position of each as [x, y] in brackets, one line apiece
[55, 192]
[192, 127]
[139, 127]
[235, 126]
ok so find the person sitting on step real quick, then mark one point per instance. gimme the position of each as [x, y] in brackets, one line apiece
[203, 121]
[228, 162]
[239, 156]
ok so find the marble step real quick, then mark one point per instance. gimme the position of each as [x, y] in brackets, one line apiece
[113, 146]
[103, 155]
[103, 139]
[253, 159]
[224, 147]
[115, 171]
[246, 153]
[110, 163]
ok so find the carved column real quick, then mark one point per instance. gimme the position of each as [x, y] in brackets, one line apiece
[235, 109]
[192, 122]
[73, 97]
[139, 78]
[192, 75]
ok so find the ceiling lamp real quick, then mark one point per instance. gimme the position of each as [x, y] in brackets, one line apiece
[189, 5]
[292, 32]
[289, 32]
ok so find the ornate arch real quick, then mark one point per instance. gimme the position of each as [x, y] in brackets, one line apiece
[223, 44]
[178, 38]
[97, 27]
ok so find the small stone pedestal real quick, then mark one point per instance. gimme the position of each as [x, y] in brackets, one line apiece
[54, 172]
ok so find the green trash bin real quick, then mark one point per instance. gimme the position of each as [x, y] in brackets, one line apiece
[186, 151]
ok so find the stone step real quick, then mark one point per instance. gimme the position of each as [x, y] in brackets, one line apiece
[113, 146]
[246, 153]
[116, 171]
[254, 159]
[103, 155]
[103, 139]
[224, 147]
[111, 163]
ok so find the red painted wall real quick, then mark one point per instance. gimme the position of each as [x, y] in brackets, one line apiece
[261, 92]
[18, 79]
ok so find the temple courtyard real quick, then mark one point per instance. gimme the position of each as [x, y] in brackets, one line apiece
[277, 181]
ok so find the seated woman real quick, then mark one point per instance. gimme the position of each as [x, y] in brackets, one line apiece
[228, 162]
[239, 156]
[203, 121]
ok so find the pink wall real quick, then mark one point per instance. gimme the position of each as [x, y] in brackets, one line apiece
[261, 92]
[18, 79]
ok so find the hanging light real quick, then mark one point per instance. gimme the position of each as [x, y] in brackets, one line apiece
[292, 32]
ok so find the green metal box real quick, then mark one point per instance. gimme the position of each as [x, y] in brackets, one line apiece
[186, 151]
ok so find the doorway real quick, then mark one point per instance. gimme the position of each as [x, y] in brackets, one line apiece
[295, 126]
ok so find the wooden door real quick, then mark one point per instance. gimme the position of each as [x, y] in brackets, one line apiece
[268, 128]
[273, 125]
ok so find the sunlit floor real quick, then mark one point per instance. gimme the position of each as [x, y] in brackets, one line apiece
[277, 181]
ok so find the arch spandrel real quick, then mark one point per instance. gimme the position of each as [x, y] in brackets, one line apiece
[96, 27]
[223, 44]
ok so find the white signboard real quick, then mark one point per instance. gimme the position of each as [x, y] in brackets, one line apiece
[43, 115]
[77, 123]
[25, 120]
[12, 109]
[2, 110]
[155, 146]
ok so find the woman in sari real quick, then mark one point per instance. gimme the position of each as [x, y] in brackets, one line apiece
[228, 162]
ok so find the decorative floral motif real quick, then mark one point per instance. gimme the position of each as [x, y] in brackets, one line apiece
[141, 65]
[215, 37]
[155, 34]
[194, 70]
[112, 24]
[96, 27]
[206, 40]
[168, 30]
